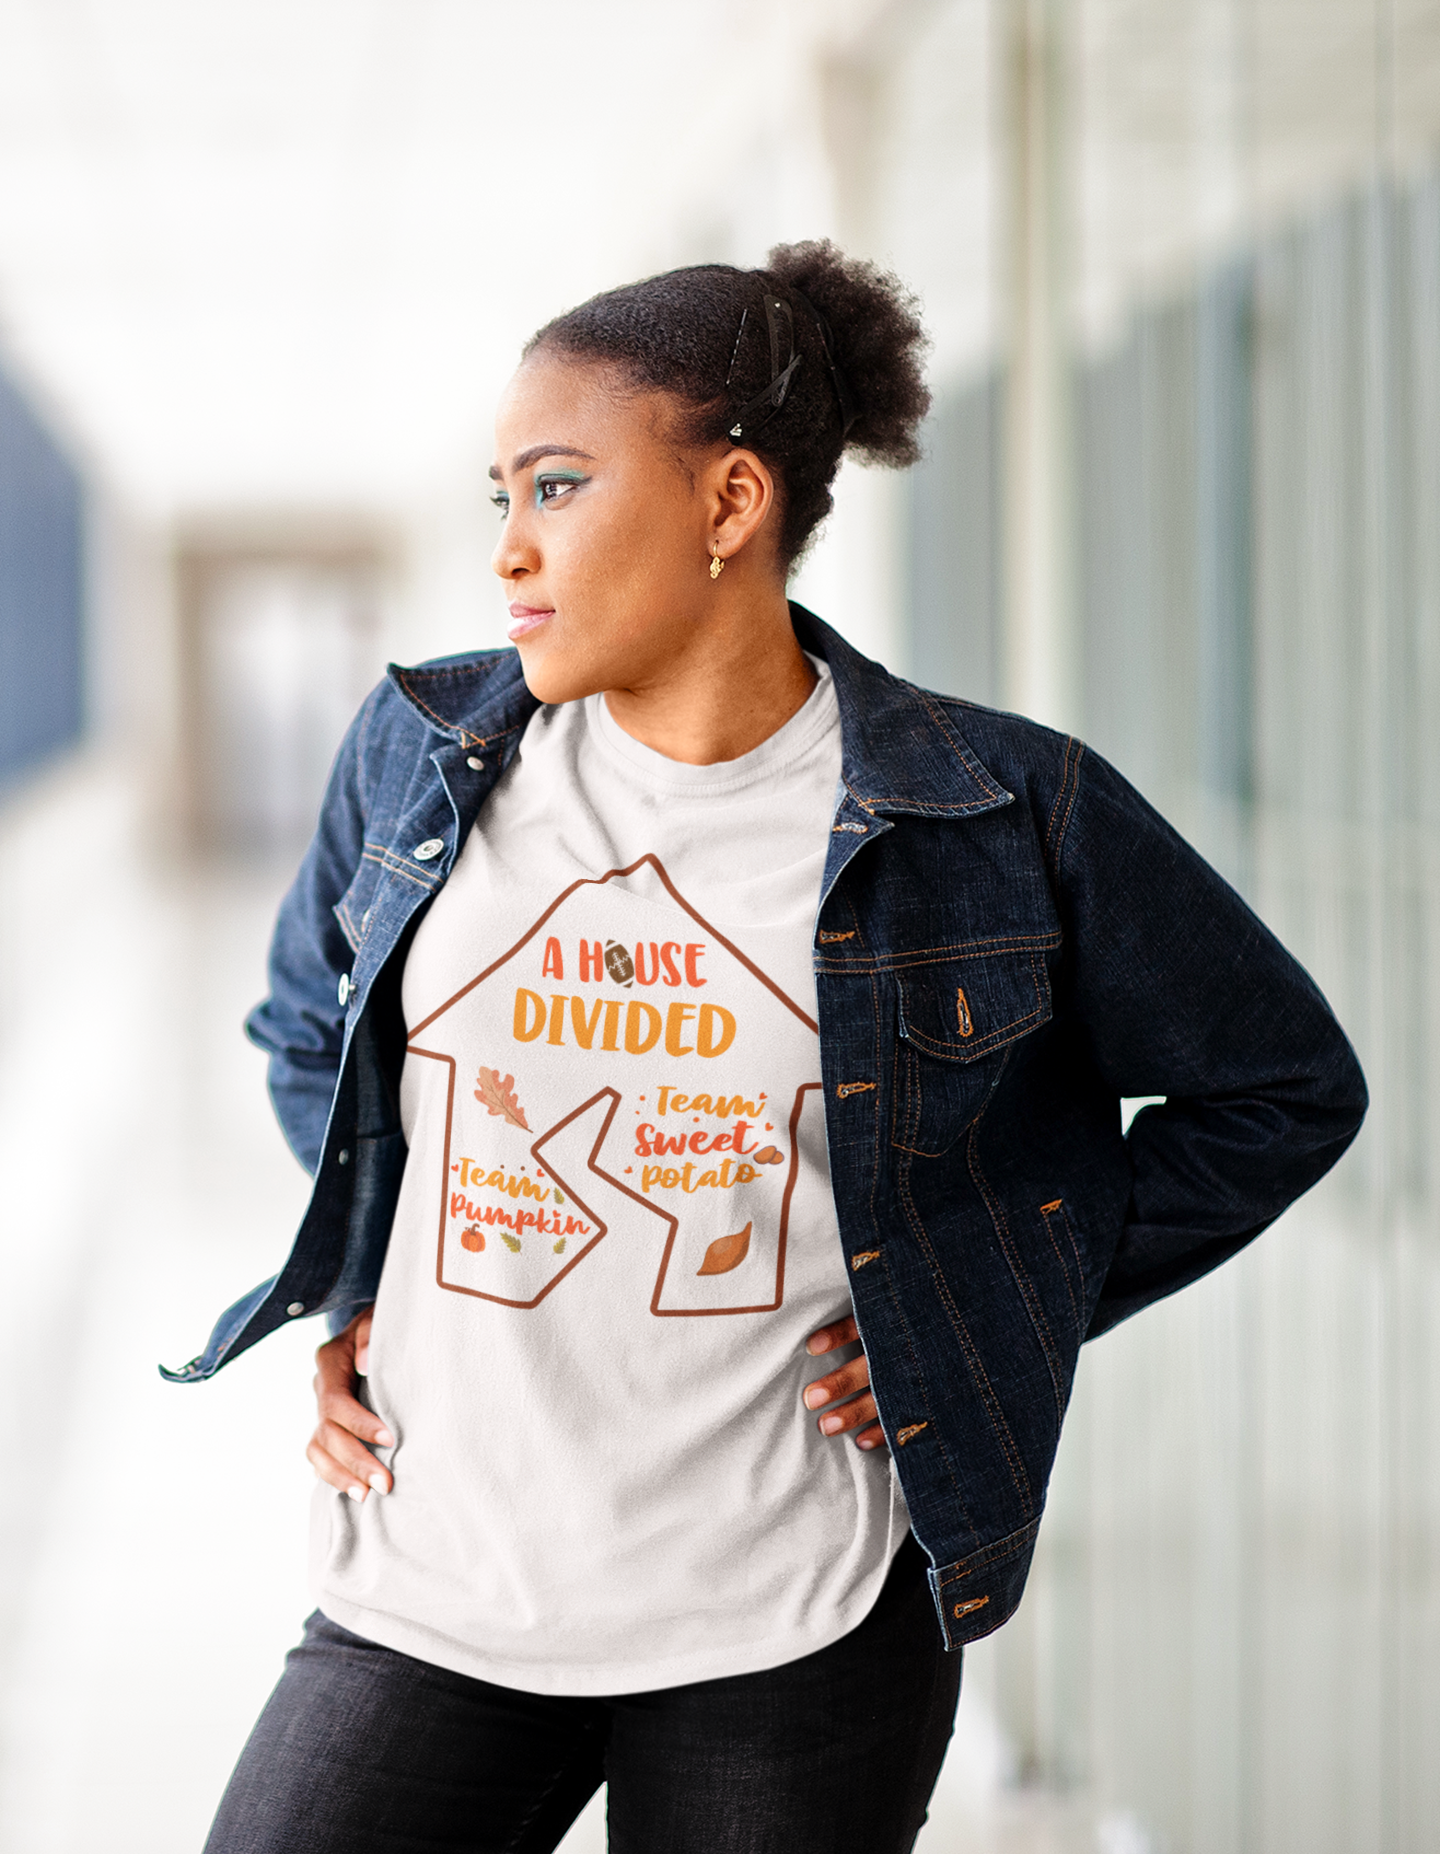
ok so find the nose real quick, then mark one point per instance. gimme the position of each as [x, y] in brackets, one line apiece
[515, 552]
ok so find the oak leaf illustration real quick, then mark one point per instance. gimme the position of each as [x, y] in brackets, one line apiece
[726, 1252]
[512, 1243]
[498, 1097]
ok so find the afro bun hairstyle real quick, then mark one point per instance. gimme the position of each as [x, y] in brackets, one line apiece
[701, 335]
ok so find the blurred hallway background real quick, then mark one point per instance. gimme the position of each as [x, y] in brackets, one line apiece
[263, 271]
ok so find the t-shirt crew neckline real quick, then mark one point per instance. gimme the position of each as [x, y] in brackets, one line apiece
[817, 716]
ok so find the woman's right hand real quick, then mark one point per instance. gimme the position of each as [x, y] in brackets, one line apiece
[337, 1449]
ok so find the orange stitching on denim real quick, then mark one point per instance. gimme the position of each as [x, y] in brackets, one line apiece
[1047, 1211]
[398, 866]
[966, 1345]
[943, 955]
[347, 925]
[858, 799]
[999, 1548]
[1015, 1023]
[827, 939]
[1059, 844]
[1022, 1280]
[392, 868]
[1060, 789]
[906, 1133]
[962, 1013]
[997, 1033]
[909, 1097]
[967, 759]
[902, 1436]
[999, 1427]
[964, 1609]
[857, 1262]
[467, 739]
[848, 1088]
[1069, 1228]
[393, 859]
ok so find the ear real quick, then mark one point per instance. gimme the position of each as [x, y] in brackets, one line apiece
[743, 498]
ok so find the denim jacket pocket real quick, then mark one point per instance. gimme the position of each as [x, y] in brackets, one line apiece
[954, 1014]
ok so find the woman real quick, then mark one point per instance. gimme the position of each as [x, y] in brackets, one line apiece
[663, 1002]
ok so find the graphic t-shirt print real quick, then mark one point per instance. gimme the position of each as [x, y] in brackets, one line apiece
[623, 1074]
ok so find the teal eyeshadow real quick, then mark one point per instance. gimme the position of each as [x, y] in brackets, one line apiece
[556, 476]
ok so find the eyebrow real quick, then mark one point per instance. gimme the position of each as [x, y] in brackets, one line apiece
[525, 458]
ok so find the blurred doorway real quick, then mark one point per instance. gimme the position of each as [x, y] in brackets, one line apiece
[280, 644]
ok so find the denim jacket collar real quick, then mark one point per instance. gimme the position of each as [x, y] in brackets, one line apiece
[901, 750]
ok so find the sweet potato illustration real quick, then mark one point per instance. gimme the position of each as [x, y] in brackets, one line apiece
[726, 1252]
[768, 1155]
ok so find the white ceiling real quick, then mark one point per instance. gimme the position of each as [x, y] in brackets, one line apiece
[271, 250]
[284, 251]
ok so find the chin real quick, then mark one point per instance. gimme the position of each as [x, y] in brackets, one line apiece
[551, 682]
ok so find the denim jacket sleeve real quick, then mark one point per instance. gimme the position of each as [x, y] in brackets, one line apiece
[1184, 993]
[302, 1023]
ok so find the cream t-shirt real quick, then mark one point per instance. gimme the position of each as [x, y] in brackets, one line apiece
[614, 1235]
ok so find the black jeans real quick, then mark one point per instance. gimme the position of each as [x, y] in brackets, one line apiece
[361, 1749]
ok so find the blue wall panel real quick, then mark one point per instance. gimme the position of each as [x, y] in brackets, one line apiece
[41, 590]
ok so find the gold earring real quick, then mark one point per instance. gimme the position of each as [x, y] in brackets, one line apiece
[717, 565]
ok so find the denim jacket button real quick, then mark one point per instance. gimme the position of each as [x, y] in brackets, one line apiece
[432, 846]
[475, 765]
[342, 990]
[295, 1309]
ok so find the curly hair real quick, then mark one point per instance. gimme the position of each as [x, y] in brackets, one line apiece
[686, 333]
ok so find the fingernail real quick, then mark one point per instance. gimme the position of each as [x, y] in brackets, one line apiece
[815, 1344]
[385, 1439]
[866, 1442]
[815, 1396]
[829, 1424]
[357, 1494]
[377, 1481]
[362, 1363]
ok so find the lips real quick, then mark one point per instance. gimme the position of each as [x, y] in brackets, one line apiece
[525, 619]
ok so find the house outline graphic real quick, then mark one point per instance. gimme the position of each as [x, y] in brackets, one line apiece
[577, 1190]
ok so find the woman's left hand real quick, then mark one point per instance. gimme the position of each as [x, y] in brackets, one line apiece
[859, 1413]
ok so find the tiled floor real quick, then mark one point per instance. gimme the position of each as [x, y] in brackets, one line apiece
[151, 1538]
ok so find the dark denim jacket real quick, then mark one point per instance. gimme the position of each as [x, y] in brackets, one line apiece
[1009, 939]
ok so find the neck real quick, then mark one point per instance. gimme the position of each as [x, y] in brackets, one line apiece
[739, 679]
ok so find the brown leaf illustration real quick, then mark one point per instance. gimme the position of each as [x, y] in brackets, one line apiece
[769, 1155]
[498, 1097]
[726, 1252]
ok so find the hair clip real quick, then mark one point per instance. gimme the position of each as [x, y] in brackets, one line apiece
[844, 398]
[776, 310]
